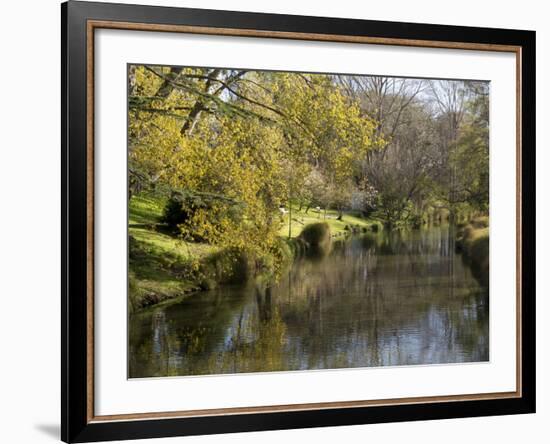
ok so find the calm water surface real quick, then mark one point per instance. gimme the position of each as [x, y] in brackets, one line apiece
[398, 298]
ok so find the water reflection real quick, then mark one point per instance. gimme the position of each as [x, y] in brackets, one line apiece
[376, 300]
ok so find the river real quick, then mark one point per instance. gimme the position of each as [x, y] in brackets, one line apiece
[380, 299]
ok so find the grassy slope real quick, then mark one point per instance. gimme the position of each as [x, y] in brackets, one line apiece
[145, 214]
[158, 260]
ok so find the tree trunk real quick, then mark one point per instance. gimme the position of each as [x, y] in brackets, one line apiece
[132, 80]
[289, 219]
[167, 86]
[199, 105]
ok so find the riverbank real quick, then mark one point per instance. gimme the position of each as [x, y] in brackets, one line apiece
[473, 243]
[163, 266]
[374, 295]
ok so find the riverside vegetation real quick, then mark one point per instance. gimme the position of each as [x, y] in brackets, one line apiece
[163, 266]
[473, 242]
[236, 176]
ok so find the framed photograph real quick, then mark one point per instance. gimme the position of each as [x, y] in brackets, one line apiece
[275, 221]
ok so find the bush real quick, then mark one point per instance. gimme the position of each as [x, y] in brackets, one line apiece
[316, 234]
[297, 246]
[182, 207]
[318, 239]
[177, 211]
[480, 222]
[230, 266]
[473, 242]
[416, 221]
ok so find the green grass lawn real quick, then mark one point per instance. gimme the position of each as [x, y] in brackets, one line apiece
[145, 209]
[158, 260]
[337, 227]
[144, 225]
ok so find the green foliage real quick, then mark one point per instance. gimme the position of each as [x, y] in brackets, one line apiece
[473, 241]
[223, 162]
[175, 214]
[316, 234]
[184, 208]
[225, 267]
[480, 222]
[297, 247]
[241, 144]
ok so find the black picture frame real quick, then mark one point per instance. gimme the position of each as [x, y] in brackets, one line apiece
[76, 424]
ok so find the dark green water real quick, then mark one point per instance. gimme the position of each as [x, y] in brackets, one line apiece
[377, 300]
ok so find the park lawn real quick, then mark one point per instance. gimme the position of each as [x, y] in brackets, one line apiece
[145, 214]
[337, 227]
[144, 225]
[145, 209]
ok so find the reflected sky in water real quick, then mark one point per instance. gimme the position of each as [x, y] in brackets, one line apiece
[398, 298]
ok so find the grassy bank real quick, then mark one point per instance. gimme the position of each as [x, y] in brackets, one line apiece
[159, 261]
[163, 266]
[473, 242]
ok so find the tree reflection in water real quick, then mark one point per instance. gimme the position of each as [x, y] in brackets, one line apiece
[397, 298]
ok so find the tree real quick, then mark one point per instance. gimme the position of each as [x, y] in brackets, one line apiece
[462, 118]
[242, 144]
[435, 133]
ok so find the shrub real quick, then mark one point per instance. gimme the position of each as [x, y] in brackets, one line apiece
[228, 266]
[480, 222]
[176, 212]
[316, 234]
[297, 246]
[416, 221]
[473, 242]
[183, 206]
[318, 239]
